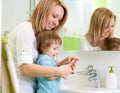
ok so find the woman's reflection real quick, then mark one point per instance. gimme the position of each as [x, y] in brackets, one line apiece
[101, 27]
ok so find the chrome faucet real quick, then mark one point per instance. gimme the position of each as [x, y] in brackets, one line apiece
[94, 76]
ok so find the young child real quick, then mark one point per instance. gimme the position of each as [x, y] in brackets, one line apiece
[48, 44]
[113, 44]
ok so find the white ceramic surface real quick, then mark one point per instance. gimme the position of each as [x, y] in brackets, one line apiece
[76, 89]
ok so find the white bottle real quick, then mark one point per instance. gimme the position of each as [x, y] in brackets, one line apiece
[111, 79]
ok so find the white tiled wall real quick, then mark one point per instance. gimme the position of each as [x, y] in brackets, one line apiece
[13, 13]
[113, 5]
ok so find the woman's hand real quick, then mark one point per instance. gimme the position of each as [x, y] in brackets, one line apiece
[65, 70]
[72, 60]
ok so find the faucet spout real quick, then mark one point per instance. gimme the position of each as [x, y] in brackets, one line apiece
[94, 76]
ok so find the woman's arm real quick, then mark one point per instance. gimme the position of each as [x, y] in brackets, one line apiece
[69, 60]
[34, 70]
[51, 78]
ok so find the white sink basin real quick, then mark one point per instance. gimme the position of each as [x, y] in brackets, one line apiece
[76, 89]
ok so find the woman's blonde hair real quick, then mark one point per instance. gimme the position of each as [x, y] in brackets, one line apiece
[99, 19]
[41, 12]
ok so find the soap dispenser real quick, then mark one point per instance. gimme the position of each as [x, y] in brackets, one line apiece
[111, 79]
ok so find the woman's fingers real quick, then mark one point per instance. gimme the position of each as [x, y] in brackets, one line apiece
[65, 70]
[68, 66]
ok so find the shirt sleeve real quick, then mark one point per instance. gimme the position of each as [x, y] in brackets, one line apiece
[24, 46]
[84, 45]
[46, 61]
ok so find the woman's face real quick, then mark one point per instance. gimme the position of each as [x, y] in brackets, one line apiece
[54, 17]
[108, 29]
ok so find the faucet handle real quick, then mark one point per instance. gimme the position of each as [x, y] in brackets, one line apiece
[93, 71]
[90, 67]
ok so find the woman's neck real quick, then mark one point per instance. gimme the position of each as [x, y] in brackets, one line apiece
[102, 44]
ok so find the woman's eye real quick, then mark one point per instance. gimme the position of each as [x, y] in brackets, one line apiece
[54, 48]
[54, 16]
[112, 26]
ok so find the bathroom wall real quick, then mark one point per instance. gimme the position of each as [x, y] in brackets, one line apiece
[14, 12]
[115, 7]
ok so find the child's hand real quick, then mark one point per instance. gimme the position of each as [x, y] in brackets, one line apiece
[68, 60]
[73, 60]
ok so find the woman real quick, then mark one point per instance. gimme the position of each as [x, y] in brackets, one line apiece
[101, 27]
[50, 15]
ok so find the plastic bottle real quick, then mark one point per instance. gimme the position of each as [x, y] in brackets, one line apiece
[111, 79]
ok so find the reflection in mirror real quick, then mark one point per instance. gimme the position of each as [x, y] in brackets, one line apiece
[78, 23]
[101, 27]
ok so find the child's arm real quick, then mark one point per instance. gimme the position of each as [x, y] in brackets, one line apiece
[67, 60]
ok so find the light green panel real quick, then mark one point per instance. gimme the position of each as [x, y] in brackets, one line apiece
[100, 3]
[71, 43]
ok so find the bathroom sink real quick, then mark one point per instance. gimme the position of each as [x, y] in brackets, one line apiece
[76, 89]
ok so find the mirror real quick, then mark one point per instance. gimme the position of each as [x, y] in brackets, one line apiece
[80, 12]
[77, 25]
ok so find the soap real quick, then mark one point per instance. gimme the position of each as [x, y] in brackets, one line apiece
[111, 81]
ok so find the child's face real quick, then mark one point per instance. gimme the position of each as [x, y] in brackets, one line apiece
[119, 49]
[116, 49]
[53, 49]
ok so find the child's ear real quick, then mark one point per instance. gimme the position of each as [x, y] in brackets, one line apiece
[44, 49]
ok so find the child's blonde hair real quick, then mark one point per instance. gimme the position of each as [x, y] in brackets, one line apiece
[45, 39]
[112, 44]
